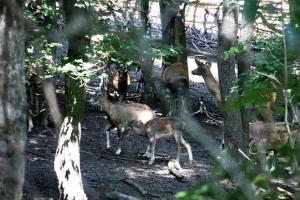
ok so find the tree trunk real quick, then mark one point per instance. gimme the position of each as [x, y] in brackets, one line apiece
[12, 100]
[147, 63]
[145, 17]
[243, 59]
[293, 42]
[172, 14]
[67, 161]
[180, 42]
[180, 34]
[168, 12]
[233, 130]
[293, 33]
[173, 33]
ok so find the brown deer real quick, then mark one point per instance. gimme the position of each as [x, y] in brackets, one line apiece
[211, 83]
[120, 114]
[118, 82]
[264, 134]
[158, 128]
[177, 80]
[264, 111]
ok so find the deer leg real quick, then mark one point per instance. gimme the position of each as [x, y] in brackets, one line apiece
[152, 142]
[120, 138]
[262, 154]
[169, 101]
[187, 146]
[182, 105]
[177, 163]
[107, 136]
[147, 154]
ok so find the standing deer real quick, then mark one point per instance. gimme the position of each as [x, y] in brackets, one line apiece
[264, 134]
[120, 114]
[117, 82]
[211, 83]
[177, 80]
[263, 111]
[158, 128]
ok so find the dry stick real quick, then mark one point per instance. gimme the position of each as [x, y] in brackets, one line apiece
[244, 154]
[139, 188]
[290, 187]
[120, 196]
[203, 108]
[136, 186]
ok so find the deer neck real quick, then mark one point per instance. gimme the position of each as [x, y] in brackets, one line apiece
[106, 106]
[210, 81]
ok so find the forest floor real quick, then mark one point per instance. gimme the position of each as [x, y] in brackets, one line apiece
[104, 172]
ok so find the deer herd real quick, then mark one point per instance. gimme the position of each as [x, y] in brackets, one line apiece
[136, 118]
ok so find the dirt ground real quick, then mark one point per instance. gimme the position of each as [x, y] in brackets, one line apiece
[104, 172]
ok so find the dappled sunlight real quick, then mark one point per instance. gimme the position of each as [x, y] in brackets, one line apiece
[103, 167]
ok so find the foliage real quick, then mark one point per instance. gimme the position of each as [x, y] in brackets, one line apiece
[126, 47]
[264, 184]
[268, 77]
[280, 178]
[39, 58]
[233, 51]
[43, 12]
[41, 62]
[112, 41]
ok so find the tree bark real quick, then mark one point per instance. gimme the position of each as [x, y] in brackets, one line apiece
[180, 42]
[293, 42]
[67, 161]
[145, 17]
[12, 100]
[147, 63]
[243, 58]
[67, 157]
[168, 11]
[180, 34]
[233, 130]
[293, 33]
[173, 34]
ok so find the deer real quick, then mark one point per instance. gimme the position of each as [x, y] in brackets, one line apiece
[176, 78]
[264, 112]
[211, 83]
[117, 82]
[262, 134]
[158, 128]
[120, 114]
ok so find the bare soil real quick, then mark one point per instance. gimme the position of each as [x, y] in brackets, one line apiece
[104, 172]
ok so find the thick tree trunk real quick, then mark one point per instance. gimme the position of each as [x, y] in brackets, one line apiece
[147, 63]
[67, 161]
[180, 34]
[180, 42]
[145, 17]
[243, 59]
[293, 42]
[293, 33]
[12, 100]
[233, 130]
[168, 12]
[172, 14]
[173, 33]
